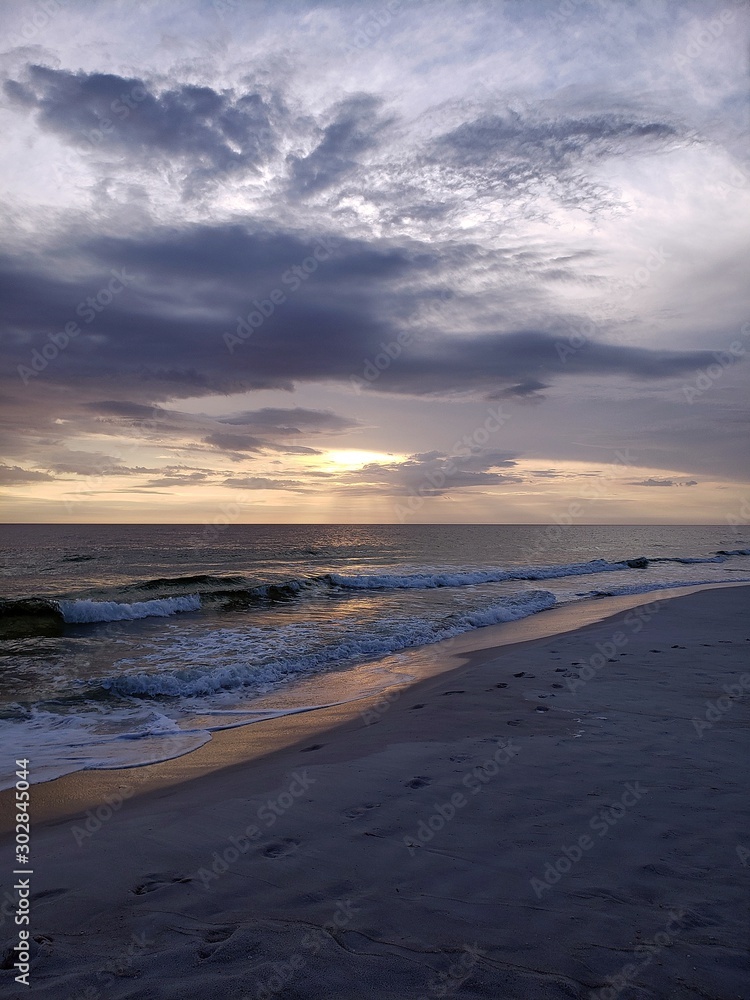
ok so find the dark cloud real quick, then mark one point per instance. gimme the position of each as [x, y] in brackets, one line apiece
[481, 461]
[164, 335]
[526, 154]
[272, 420]
[514, 138]
[234, 442]
[125, 408]
[206, 131]
[354, 131]
[242, 443]
[488, 363]
[524, 390]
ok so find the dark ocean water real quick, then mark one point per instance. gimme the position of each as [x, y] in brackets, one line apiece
[127, 644]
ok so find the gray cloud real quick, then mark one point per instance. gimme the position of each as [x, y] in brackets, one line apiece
[664, 482]
[432, 474]
[325, 330]
[547, 152]
[273, 420]
[478, 194]
[209, 132]
[262, 483]
[354, 130]
[13, 475]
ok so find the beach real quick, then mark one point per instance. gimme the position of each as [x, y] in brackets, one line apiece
[561, 816]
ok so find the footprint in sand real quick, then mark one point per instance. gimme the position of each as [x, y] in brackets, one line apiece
[502, 684]
[453, 692]
[313, 746]
[159, 883]
[215, 935]
[280, 848]
[413, 707]
[49, 894]
[557, 685]
[356, 811]
[541, 708]
[419, 782]
[515, 722]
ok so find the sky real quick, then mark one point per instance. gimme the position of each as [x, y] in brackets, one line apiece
[380, 262]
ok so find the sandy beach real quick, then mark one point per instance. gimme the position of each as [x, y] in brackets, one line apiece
[562, 816]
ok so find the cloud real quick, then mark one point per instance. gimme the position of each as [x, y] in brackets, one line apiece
[262, 483]
[353, 132]
[163, 335]
[664, 482]
[510, 189]
[547, 151]
[181, 479]
[234, 442]
[125, 409]
[431, 474]
[206, 132]
[248, 443]
[273, 420]
[12, 475]
[524, 390]
[86, 463]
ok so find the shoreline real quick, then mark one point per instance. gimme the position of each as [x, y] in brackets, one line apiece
[71, 794]
[557, 818]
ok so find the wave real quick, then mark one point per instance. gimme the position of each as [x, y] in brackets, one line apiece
[79, 612]
[41, 615]
[689, 560]
[196, 579]
[425, 581]
[30, 616]
[407, 633]
[29, 607]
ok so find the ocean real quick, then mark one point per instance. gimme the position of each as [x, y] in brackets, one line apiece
[128, 644]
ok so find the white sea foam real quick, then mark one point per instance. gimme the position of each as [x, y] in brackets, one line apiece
[59, 744]
[238, 670]
[461, 578]
[77, 612]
